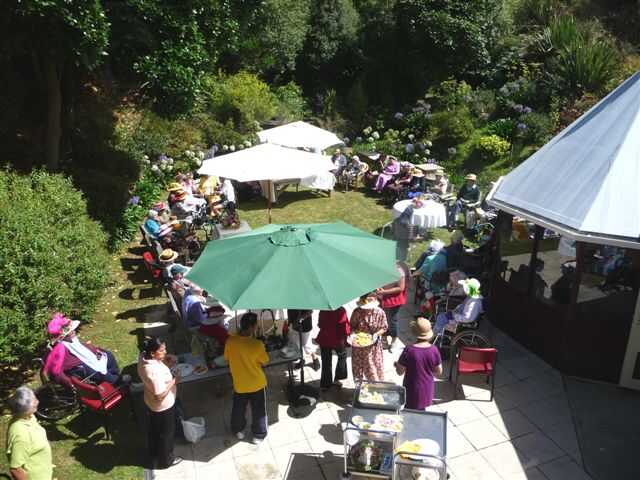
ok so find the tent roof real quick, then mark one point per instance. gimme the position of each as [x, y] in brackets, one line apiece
[585, 182]
[266, 162]
[300, 135]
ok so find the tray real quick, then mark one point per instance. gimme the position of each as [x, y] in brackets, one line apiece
[394, 395]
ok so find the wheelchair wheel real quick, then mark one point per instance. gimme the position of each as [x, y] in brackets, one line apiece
[55, 401]
[470, 338]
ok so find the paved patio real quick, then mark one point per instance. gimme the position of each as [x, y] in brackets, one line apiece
[526, 432]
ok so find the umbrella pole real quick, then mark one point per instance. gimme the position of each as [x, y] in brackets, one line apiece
[269, 199]
[301, 356]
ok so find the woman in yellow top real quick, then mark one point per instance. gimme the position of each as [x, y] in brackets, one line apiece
[208, 188]
[28, 449]
[246, 356]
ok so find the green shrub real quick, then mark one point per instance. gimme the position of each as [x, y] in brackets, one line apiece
[52, 258]
[502, 127]
[242, 98]
[452, 126]
[538, 128]
[493, 148]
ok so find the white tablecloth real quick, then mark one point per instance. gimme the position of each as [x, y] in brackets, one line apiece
[432, 214]
[324, 181]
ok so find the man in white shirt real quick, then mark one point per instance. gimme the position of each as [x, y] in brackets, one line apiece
[229, 194]
[339, 161]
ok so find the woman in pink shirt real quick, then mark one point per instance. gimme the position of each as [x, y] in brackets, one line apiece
[160, 399]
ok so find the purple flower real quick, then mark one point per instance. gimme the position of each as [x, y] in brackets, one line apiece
[399, 116]
[163, 158]
[518, 108]
[521, 126]
[527, 110]
[135, 200]
[408, 148]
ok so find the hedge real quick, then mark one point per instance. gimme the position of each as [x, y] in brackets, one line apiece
[52, 258]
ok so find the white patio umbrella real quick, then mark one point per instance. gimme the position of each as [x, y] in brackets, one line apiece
[267, 162]
[300, 135]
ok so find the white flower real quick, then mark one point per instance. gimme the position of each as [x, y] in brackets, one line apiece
[225, 148]
[154, 168]
[146, 161]
[423, 160]
[169, 168]
[376, 135]
[198, 162]
[427, 151]
[170, 161]
[370, 139]
[428, 143]
[188, 153]
[241, 146]
[358, 139]
[232, 148]
[201, 155]
[145, 157]
[411, 136]
[247, 143]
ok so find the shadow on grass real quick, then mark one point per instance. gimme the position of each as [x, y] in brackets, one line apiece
[100, 455]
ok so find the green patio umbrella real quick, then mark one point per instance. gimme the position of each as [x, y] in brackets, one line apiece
[304, 266]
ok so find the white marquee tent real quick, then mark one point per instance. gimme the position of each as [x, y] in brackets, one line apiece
[585, 183]
[300, 135]
[267, 162]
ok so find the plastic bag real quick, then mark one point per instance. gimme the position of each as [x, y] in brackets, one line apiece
[194, 429]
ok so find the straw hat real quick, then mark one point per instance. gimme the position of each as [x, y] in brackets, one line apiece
[60, 326]
[422, 328]
[471, 287]
[174, 187]
[439, 172]
[181, 195]
[167, 256]
[471, 176]
[416, 172]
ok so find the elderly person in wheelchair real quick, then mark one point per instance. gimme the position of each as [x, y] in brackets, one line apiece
[468, 198]
[465, 313]
[71, 357]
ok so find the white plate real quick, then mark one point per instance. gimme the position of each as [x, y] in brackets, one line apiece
[200, 373]
[184, 369]
[427, 447]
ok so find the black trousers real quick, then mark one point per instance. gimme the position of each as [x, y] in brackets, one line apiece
[160, 436]
[258, 401]
[112, 375]
[327, 378]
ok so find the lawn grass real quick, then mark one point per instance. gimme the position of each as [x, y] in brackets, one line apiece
[79, 448]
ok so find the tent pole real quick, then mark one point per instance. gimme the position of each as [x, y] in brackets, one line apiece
[269, 199]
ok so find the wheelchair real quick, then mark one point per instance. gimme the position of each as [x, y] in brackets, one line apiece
[460, 334]
[55, 401]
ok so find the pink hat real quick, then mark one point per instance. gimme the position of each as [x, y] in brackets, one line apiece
[61, 325]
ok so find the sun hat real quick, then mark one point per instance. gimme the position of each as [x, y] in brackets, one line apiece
[355, 157]
[416, 172]
[181, 195]
[435, 246]
[167, 256]
[471, 287]
[471, 176]
[174, 187]
[422, 328]
[439, 172]
[152, 213]
[178, 269]
[61, 326]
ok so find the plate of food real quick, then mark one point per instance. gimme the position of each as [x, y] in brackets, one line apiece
[200, 370]
[183, 369]
[361, 339]
[390, 423]
[414, 449]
